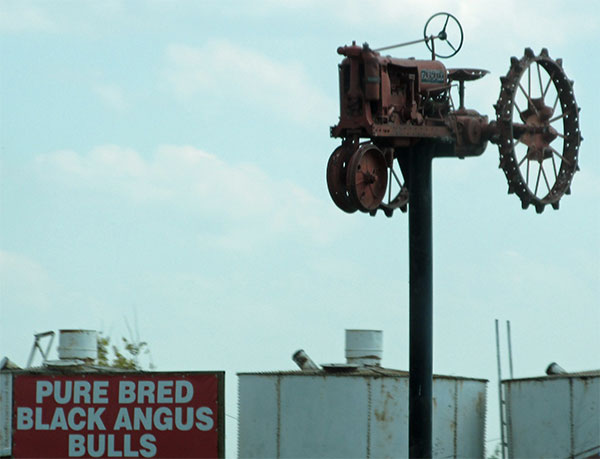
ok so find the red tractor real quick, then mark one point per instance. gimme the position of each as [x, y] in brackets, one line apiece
[390, 105]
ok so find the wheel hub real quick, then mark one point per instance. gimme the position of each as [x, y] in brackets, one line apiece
[538, 134]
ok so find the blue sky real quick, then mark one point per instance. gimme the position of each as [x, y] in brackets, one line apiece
[164, 162]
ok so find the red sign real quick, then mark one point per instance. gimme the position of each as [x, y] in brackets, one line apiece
[118, 415]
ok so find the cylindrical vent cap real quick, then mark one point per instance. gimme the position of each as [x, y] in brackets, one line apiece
[77, 344]
[555, 369]
[364, 347]
[304, 361]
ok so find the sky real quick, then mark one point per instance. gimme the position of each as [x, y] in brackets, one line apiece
[162, 170]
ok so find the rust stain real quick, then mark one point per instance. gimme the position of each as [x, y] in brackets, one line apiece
[380, 415]
[384, 415]
[480, 404]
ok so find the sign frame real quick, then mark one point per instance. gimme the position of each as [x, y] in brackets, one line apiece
[10, 388]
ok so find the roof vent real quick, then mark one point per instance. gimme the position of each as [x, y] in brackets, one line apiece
[555, 369]
[364, 347]
[78, 344]
[304, 361]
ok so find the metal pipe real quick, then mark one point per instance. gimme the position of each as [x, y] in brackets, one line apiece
[510, 359]
[304, 361]
[555, 369]
[403, 44]
[364, 347]
[36, 345]
[421, 302]
[501, 400]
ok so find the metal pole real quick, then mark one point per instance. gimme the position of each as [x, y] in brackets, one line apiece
[421, 303]
[501, 399]
[510, 361]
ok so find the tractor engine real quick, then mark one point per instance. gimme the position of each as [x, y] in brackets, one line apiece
[381, 95]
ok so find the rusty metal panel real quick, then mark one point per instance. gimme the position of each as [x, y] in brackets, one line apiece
[585, 401]
[553, 417]
[444, 418]
[5, 414]
[538, 418]
[470, 406]
[353, 415]
[458, 418]
[258, 430]
[388, 416]
[412, 131]
[323, 417]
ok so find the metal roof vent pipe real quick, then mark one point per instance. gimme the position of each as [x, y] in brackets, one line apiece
[78, 345]
[555, 369]
[364, 347]
[304, 361]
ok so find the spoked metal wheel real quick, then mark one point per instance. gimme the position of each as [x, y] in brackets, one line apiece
[538, 124]
[336, 177]
[366, 177]
[396, 196]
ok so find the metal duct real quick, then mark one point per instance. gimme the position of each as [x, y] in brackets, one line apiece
[364, 347]
[304, 361]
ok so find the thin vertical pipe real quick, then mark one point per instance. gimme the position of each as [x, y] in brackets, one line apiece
[510, 358]
[421, 303]
[500, 398]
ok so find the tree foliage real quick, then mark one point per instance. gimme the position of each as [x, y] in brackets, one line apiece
[128, 358]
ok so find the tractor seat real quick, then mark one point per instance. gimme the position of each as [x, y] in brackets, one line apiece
[466, 74]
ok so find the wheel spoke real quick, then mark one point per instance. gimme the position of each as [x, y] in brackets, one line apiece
[529, 81]
[519, 110]
[523, 160]
[446, 23]
[554, 167]
[560, 156]
[397, 179]
[527, 179]
[529, 100]
[545, 178]
[450, 44]
[537, 181]
[540, 80]
[555, 102]
[556, 118]
[547, 87]
[371, 189]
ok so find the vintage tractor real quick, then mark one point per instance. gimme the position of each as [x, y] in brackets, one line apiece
[389, 105]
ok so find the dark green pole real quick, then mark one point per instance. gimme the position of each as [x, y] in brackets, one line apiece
[421, 302]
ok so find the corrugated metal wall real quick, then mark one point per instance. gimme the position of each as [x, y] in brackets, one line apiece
[319, 416]
[5, 414]
[553, 417]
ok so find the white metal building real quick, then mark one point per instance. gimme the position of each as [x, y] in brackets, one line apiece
[357, 409]
[553, 416]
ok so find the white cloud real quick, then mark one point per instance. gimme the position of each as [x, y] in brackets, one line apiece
[241, 198]
[514, 24]
[112, 96]
[243, 74]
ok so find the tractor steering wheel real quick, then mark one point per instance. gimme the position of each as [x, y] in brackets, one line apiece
[449, 28]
